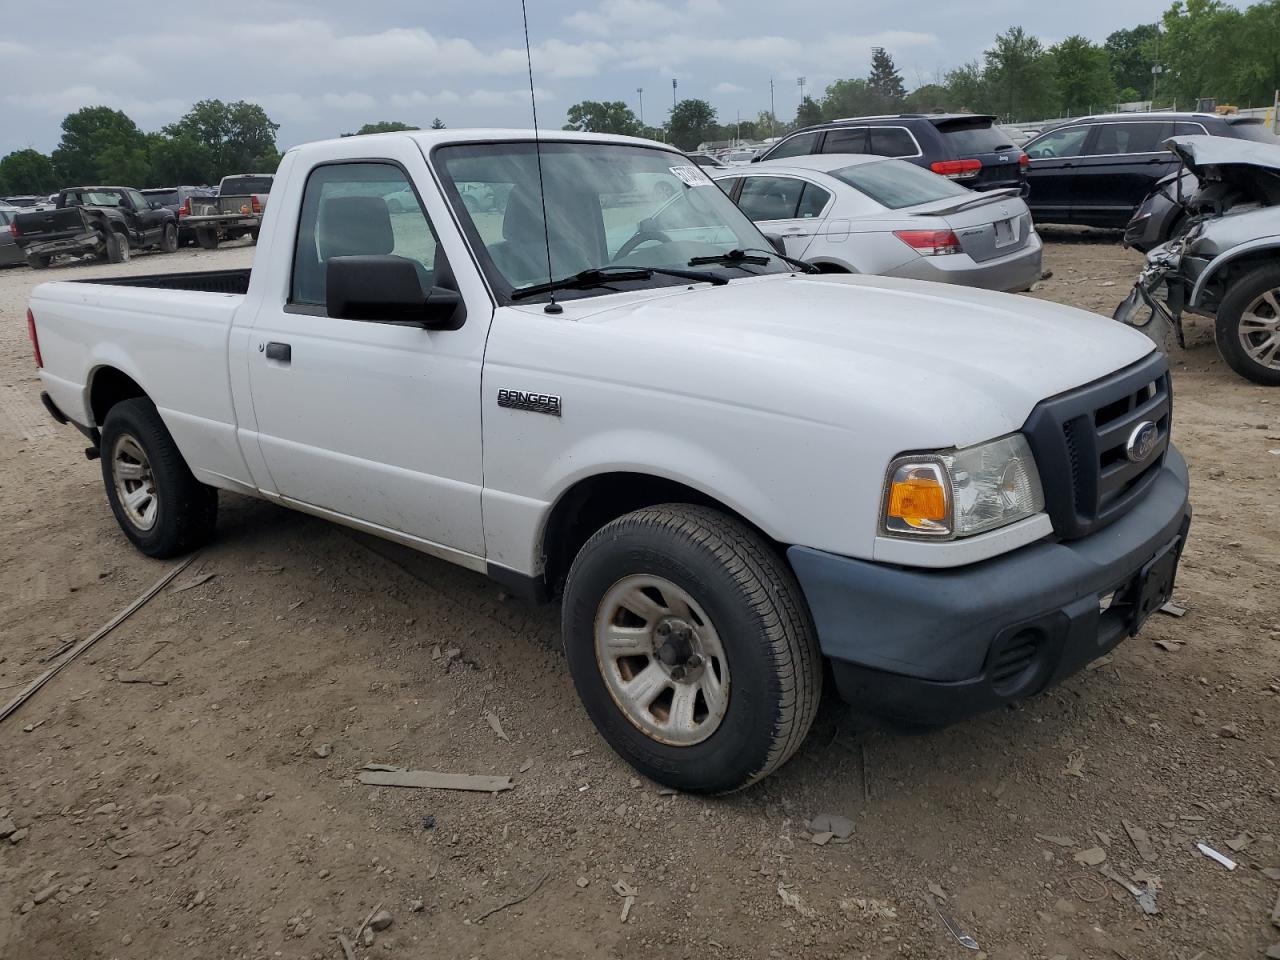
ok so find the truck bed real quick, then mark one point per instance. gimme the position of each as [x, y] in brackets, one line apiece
[201, 281]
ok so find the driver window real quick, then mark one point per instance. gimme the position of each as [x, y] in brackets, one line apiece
[138, 200]
[1067, 142]
[770, 198]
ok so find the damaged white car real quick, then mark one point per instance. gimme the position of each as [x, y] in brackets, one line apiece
[1226, 263]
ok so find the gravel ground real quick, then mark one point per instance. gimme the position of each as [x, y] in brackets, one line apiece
[187, 787]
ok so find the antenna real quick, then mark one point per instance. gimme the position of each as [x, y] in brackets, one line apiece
[551, 307]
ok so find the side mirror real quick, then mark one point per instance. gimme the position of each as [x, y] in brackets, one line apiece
[154, 205]
[389, 289]
[775, 241]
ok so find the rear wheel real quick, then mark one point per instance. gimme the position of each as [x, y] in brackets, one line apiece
[1248, 326]
[169, 240]
[39, 261]
[208, 239]
[157, 501]
[691, 647]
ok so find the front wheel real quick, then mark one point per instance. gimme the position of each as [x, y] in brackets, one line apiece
[691, 647]
[116, 247]
[1247, 327]
[160, 505]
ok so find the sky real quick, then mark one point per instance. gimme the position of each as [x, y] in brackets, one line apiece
[325, 67]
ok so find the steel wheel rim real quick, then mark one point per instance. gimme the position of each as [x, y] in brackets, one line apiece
[135, 483]
[662, 660]
[1260, 334]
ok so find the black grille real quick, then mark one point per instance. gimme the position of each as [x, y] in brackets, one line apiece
[1079, 440]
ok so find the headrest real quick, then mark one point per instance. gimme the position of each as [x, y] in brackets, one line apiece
[354, 226]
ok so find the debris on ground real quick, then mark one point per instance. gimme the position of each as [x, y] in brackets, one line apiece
[495, 724]
[938, 892]
[1229, 731]
[1146, 898]
[839, 828]
[793, 901]
[381, 920]
[537, 885]
[949, 922]
[628, 893]
[1057, 841]
[1240, 841]
[1173, 609]
[1213, 854]
[1141, 842]
[1075, 764]
[433, 780]
[322, 750]
[1091, 857]
[197, 580]
[870, 908]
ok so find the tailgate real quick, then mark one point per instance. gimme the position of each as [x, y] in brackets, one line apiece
[990, 228]
[240, 205]
[978, 138]
[49, 224]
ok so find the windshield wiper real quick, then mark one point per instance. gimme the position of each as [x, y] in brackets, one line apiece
[601, 276]
[750, 255]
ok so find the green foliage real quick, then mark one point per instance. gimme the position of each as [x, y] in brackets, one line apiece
[809, 113]
[610, 116]
[968, 89]
[849, 98]
[692, 122]
[97, 142]
[27, 172]
[239, 137]
[382, 126]
[931, 98]
[1127, 51]
[1082, 72]
[1019, 76]
[885, 82]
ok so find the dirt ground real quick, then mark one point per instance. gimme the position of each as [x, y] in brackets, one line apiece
[170, 800]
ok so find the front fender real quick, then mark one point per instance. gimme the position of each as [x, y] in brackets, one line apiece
[1217, 264]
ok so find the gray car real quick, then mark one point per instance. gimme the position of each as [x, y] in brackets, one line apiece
[855, 213]
[10, 253]
[1226, 264]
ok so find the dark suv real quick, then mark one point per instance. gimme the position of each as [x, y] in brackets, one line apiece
[1096, 170]
[966, 147]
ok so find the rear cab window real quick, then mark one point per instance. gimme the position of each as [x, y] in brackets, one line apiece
[243, 186]
[896, 183]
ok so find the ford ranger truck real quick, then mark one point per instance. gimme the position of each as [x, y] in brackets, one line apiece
[728, 470]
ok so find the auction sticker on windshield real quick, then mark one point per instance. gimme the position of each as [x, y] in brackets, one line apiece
[691, 176]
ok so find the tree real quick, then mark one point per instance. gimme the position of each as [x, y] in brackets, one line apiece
[849, 98]
[594, 116]
[1256, 70]
[180, 160]
[239, 136]
[382, 126]
[27, 171]
[692, 122]
[1019, 76]
[931, 98]
[437, 124]
[92, 135]
[968, 89]
[1082, 72]
[1127, 52]
[885, 82]
[809, 113]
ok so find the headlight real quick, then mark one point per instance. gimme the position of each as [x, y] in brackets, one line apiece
[958, 493]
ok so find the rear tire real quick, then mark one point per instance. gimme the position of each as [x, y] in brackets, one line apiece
[169, 239]
[39, 261]
[743, 708]
[160, 505]
[208, 239]
[1247, 326]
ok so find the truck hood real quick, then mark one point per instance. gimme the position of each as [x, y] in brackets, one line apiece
[953, 364]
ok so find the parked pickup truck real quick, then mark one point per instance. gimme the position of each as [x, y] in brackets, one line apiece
[235, 212]
[104, 221]
[728, 469]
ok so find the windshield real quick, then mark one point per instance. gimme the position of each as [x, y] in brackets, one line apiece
[243, 186]
[1254, 130]
[608, 205]
[92, 198]
[896, 184]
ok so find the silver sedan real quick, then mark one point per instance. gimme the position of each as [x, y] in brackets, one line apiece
[850, 213]
[10, 253]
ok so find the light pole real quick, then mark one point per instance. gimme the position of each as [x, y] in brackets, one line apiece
[1156, 70]
[772, 115]
[673, 94]
[640, 91]
[800, 84]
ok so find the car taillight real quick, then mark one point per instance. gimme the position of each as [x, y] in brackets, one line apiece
[185, 209]
[13, 228]
[35, 340]
[956, 169]
[930, 243]
[257, 207]
[1024, 161]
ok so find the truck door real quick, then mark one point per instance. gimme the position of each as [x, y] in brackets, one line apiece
[372, 421]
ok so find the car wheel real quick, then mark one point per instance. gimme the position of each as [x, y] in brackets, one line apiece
[1248, 326]
[169, 240]
[160, 505]
[39, 261]
[208, 239]
[691, 647]
[117, 247]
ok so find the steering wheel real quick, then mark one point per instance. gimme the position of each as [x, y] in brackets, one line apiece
[1044, 153]
[642, 235]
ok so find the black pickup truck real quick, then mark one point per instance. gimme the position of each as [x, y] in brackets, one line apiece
[104, 221]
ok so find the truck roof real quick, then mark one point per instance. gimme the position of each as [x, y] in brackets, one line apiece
[431, 138]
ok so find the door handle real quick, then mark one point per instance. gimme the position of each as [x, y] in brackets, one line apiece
[793, 231]
[279, 351]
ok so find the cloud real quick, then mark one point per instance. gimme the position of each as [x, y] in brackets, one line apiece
[60, 102]
[116, 67]
[727, 87]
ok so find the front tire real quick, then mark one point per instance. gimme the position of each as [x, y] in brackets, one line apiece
[691, 647]
[1247, 327]
[160, 505]
[169, 240]
[116, 247]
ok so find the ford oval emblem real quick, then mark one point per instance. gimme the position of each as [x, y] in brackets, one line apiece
[1141, 441]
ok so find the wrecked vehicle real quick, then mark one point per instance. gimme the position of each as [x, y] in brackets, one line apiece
[1226, 264]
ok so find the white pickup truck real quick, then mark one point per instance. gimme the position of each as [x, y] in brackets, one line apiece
[729, 470]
